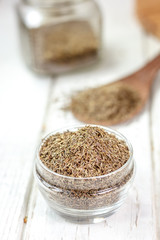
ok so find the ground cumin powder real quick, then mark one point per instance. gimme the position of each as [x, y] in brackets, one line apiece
[82, 157]
[108, 103]
[63, 44]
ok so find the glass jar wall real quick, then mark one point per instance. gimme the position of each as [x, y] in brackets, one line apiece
[59, 35]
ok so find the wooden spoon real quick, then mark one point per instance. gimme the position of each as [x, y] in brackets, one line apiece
[141, 81]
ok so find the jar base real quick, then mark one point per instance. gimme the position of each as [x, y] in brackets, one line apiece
[56, 69]
[86, 216]
[85, 220]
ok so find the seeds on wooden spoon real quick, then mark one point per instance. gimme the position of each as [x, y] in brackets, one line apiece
[111, 103]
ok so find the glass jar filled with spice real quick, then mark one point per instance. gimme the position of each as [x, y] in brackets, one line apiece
[84, 173]
[59, 35]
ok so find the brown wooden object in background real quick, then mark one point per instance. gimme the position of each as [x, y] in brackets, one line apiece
[148, 12]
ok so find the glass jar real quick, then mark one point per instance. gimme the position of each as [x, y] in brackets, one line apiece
[59, 35]
[89, 199]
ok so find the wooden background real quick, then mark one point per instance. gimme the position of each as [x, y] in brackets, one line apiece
[30, 107]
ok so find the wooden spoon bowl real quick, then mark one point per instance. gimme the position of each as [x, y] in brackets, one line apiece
[140, 81]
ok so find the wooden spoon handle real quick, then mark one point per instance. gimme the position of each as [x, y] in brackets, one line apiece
[144, 77]
[153, 64]
[147, 74]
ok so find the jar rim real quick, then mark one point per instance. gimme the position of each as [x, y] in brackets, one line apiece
[70, 128]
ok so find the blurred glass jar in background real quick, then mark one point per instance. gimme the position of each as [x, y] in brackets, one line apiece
[59, 35]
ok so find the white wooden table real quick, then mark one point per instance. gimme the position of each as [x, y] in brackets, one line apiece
[28, 111]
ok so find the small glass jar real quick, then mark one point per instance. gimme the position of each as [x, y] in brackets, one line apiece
[89, 199]
[59, 35]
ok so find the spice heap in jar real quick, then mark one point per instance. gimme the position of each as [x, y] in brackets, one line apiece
[58, 36]
[88, 152]
[85, 171]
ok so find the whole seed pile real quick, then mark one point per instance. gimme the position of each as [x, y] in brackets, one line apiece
[89, 151]
[108, 104]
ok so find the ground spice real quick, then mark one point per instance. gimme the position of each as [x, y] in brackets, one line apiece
[63, 44]
[88, 152]
[85, 153]
[111, 103]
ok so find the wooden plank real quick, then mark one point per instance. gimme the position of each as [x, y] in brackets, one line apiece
[153, 47]
[23, 99]
[155, 141]
[135, 219]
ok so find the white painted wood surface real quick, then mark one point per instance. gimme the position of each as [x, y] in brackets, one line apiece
[28, 111]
